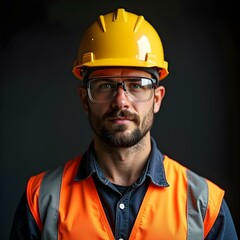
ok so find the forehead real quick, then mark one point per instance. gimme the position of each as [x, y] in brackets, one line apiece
[119, 72]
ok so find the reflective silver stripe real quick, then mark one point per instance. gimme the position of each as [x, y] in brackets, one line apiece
[197, 203]
[49, 203]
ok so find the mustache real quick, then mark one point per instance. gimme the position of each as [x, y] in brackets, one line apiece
[121, 113]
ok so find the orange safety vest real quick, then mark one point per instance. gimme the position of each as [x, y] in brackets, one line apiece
[65, 209]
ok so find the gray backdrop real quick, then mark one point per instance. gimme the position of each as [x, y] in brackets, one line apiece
[43, 125]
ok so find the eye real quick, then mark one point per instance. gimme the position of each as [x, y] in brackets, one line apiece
[105, 85]
[135, 85]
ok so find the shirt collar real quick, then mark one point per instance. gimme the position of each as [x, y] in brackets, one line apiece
[154, 168]
[86, 167]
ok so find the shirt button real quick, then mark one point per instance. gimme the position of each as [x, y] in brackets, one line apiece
[120, 239]
[122, 206]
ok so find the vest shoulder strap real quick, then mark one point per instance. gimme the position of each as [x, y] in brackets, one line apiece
[197, 203]
[49, 202]
[205, 197]
[204, 200]
[49, 198]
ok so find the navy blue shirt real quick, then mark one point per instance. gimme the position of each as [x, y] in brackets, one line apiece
[121, 203]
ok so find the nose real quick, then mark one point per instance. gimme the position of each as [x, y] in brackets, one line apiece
[122, 84]
[120, 99]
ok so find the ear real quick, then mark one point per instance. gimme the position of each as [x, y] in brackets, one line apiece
[158, 97]
[82, 92]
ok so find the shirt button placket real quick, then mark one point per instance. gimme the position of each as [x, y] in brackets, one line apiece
[122, 207]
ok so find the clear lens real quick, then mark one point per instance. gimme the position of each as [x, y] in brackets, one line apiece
[104, 89]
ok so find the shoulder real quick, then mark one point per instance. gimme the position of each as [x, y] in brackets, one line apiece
[177, 168]
[43, 184]
[66, 167]
[203, 193]
[49, 177]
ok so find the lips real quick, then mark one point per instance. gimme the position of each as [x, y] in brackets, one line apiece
[120, 116]
[120, 119]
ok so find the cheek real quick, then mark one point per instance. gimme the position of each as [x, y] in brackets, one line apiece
[144, 109]
[97, 109]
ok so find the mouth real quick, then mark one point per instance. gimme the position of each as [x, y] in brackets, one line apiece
[121, 120]
[121, 117]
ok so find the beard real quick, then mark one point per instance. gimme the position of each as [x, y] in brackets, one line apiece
[119, 136]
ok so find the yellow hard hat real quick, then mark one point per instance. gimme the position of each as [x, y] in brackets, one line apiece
[120, 39]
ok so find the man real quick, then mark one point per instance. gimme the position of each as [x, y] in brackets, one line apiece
[122, 187]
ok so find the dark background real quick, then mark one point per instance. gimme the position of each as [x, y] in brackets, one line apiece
[43, 125]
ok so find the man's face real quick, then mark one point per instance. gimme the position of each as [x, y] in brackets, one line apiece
[121, 122]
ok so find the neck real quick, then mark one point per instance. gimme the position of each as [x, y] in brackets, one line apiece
[123, 166]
